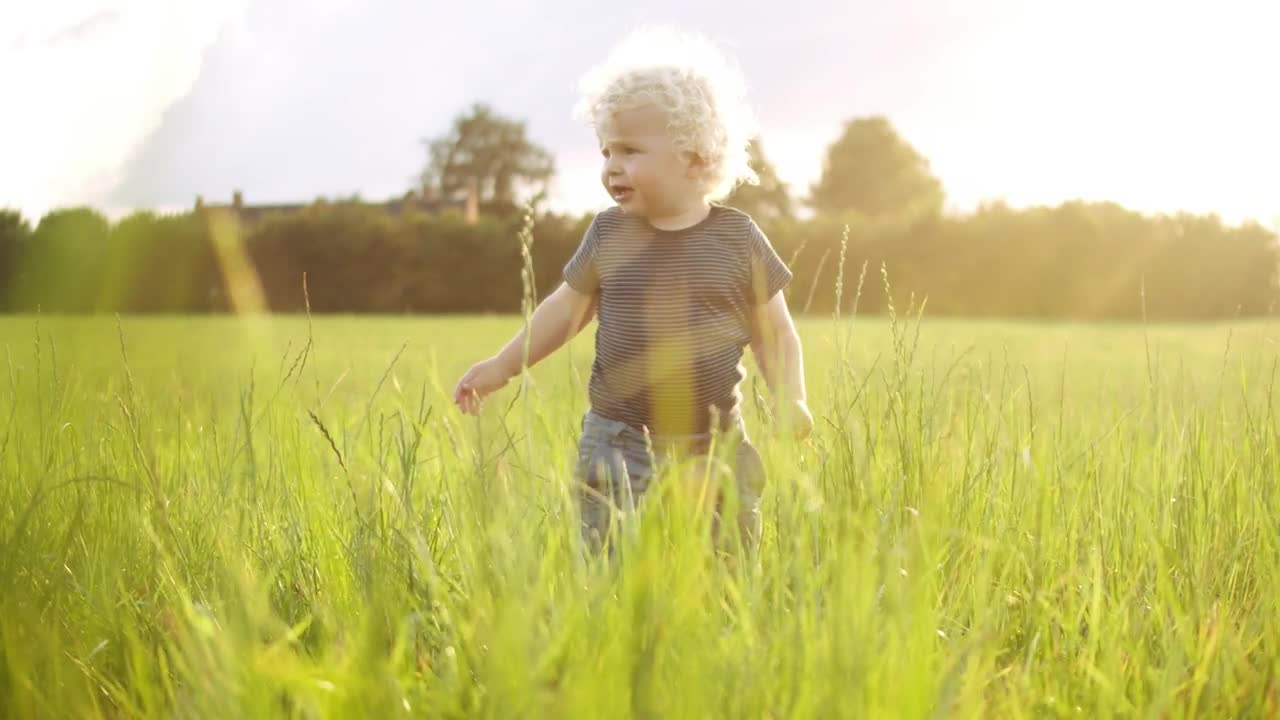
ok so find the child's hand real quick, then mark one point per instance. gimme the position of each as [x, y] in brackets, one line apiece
[794, 418]
[481, 380]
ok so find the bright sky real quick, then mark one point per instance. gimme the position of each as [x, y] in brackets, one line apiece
[124, 104]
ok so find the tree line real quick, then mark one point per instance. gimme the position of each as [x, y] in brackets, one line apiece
[875, 207]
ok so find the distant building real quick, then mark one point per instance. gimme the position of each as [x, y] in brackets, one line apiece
[422, 202]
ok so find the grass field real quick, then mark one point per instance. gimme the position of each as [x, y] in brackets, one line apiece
[277, 517]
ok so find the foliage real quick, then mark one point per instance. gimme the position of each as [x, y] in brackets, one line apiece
[770, 199]
[872, 171]
[877, 207]
[490, 152]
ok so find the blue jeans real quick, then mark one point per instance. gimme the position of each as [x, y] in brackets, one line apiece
[617, 462]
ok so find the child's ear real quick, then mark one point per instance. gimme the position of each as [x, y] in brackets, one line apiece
[695, 165]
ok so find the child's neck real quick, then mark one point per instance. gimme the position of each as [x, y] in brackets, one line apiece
[684, 218]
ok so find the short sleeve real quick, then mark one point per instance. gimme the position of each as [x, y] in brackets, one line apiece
[582, 272]
[768, 273]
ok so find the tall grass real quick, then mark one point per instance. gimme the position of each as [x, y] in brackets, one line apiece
[274, 517]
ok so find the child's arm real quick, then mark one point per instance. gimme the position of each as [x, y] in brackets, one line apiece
[557, 319]
[776, 346]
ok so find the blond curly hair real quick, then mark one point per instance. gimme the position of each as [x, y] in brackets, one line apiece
[700, 89]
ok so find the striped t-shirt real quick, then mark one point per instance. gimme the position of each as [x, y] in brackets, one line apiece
[674, 311]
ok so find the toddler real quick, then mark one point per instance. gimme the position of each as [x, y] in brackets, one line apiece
[680, 286]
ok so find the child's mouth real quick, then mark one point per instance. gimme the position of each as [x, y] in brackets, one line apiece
[621, 193]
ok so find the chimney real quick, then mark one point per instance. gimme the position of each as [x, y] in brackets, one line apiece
[237, 200]
[199, 203]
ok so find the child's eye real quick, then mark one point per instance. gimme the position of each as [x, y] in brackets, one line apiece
[630, 151]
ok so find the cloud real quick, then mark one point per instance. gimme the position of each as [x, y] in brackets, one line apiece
[88, 82]
[85, 28]
[326, 100]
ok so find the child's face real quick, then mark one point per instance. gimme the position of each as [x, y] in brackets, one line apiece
[642, 171]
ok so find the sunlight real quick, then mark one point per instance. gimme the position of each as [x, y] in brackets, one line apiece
[1102, 101]
[240, 278]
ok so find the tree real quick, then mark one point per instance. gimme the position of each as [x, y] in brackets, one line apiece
[14, 233]
[768, 200]
[62, 263]
[871, 170]
[491, 153]
[160, 263]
